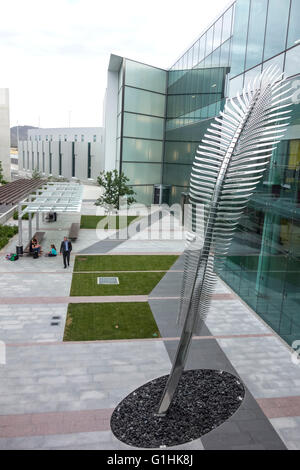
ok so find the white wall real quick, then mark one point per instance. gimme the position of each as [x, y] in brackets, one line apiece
[111, 110]
[5, 133]
[81, 158]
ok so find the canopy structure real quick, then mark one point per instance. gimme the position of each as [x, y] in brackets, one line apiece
[52, 197]
[57, 197]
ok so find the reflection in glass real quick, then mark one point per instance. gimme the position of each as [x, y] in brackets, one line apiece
[276, 32]
[142, 173]
[235, 86]
[278, 60]
[239, 36]
[145, 76]
[217, 33]
[292, 61]
[257, 24]
[147, 127]
[144, 102]
[294, 26]
[209, 40]
[227, 20]
[251, 74]
[141, 150]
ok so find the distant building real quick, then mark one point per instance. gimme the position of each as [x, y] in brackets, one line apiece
[5, 133]
[76, 152]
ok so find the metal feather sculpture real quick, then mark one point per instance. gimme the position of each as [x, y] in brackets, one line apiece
[229, 164]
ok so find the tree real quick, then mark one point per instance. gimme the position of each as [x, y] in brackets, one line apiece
[115, 186]
[2, 180]
[36, 175]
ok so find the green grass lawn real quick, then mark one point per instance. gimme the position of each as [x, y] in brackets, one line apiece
[7, 232]
[113, 221]
[112, 321]
[130, 284]
[124, 263]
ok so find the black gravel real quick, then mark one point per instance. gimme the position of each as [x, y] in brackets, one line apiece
[204, 400]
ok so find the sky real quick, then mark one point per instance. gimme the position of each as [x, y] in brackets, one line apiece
[54, 54]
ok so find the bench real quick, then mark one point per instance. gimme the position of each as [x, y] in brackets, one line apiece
[39, 237]
[74, 230]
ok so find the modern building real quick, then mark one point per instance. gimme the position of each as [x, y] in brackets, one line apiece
[155, 119]
[5, 133]
[68, 152]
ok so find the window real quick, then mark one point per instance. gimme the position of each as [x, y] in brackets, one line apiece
[276, 27]
[46, 138]
[65, 138]
[144, 102]
[227, 20]
[82, 138]
[94, 138]
[294, 27]
[292, 61]
[75, 137]
[239, 37]
[144, 76]
[257, 24]
[147, 127]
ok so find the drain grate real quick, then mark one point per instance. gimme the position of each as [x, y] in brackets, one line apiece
[107, 280]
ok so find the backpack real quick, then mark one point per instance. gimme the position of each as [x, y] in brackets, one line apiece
[13, 257]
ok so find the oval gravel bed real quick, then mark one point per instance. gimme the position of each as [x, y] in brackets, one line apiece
[204, 400]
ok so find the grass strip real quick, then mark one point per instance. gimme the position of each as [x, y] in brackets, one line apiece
[129, 284]
[109, 222]
[124, 263]
[112, 321]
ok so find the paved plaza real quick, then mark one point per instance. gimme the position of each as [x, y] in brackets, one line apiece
[56, 395]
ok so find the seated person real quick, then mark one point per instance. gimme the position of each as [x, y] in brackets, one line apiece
[36, 247]
[53, 251]
[33, 243]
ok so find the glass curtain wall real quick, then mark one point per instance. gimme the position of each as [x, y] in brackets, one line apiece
[263, 265]
[265, 33]
[141, 126]
[196, 91]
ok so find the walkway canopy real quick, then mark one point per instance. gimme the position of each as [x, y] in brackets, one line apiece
[52, 197]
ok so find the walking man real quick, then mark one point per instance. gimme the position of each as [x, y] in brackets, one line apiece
[65, 250]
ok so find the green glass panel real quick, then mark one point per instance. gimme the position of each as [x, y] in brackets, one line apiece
[294, 26]
[177, 174]
[143, 126]
[292, 62]
[276, 32]
[143, 194]
[180, 152]
[144, 76]
[256, 34]
[142, 173]
[144, 102]
[227, 20]
[278, 60]
[140, 150]
[239, 36]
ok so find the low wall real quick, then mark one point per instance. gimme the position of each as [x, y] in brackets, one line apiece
[7, 215]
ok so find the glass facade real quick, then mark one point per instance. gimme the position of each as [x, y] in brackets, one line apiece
[163, 115]
[141, 126]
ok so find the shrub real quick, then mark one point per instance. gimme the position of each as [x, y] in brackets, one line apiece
[7, 232]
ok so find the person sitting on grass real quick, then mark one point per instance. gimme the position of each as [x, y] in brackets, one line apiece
[53, 251]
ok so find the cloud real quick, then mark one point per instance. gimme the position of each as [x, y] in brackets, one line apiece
[54, 54]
